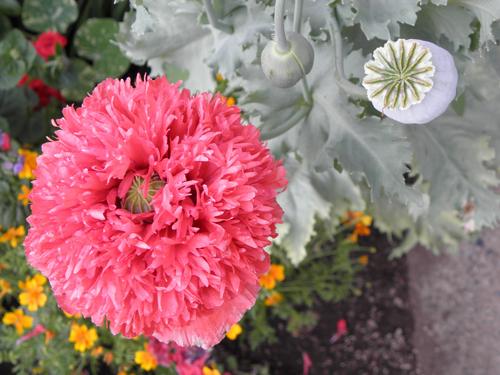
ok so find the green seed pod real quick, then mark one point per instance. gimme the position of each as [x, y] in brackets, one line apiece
[286, 68]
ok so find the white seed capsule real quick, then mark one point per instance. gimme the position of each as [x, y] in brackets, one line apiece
[285, 69]
[411, 81]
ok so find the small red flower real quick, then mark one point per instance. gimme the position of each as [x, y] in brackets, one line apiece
[341, 331]
[4, 141]
[44, 92]
[306, 359]
[46, 42]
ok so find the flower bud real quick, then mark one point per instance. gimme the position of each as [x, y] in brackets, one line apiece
[285, 69]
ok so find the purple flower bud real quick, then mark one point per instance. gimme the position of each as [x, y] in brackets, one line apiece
[411, 81]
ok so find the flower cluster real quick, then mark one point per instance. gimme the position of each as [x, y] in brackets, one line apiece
[152, 210]
[268, 281]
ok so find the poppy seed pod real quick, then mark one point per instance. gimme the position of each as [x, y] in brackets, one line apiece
[411, 81]
[286, 68]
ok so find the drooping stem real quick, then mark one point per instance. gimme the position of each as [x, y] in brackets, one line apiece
[297, 15]
[279, 26]
[306, 92]
[343, 82]
[214, 21]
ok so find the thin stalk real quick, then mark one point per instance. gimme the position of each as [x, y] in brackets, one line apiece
[214, 21]
[297, 15]
[344, 83]
[279, 26]
[306, 92]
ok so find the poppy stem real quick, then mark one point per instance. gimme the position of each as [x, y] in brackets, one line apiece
[350, 88]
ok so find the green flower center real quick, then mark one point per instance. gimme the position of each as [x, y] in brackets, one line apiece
[400, 74]
[136, 201]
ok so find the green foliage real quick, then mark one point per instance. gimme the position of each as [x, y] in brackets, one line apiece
[49, 14]
[16, 58]
[94, 41]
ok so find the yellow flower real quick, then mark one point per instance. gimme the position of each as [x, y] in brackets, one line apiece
[18, 320]
[83, 337]
[230, 101]
[13, 235]
[273, 299]
[32, 294]
[146, 360]
[29, 163]
[210, 371]
[234, 332]
[363, 260]
[276, 273]
[219, 77]
[4, 288]
[23, 195]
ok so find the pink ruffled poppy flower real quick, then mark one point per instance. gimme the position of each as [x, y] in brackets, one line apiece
[151, 211]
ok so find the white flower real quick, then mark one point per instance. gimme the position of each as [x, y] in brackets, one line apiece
[411, 81]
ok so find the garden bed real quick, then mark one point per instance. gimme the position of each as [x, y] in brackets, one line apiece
[380, 328]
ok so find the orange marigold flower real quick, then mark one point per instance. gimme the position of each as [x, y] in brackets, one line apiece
[18, 320]
[363, 260]
[146, 359]
[32, 294]
[274, 299]
[83, 337]
[108, 357]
